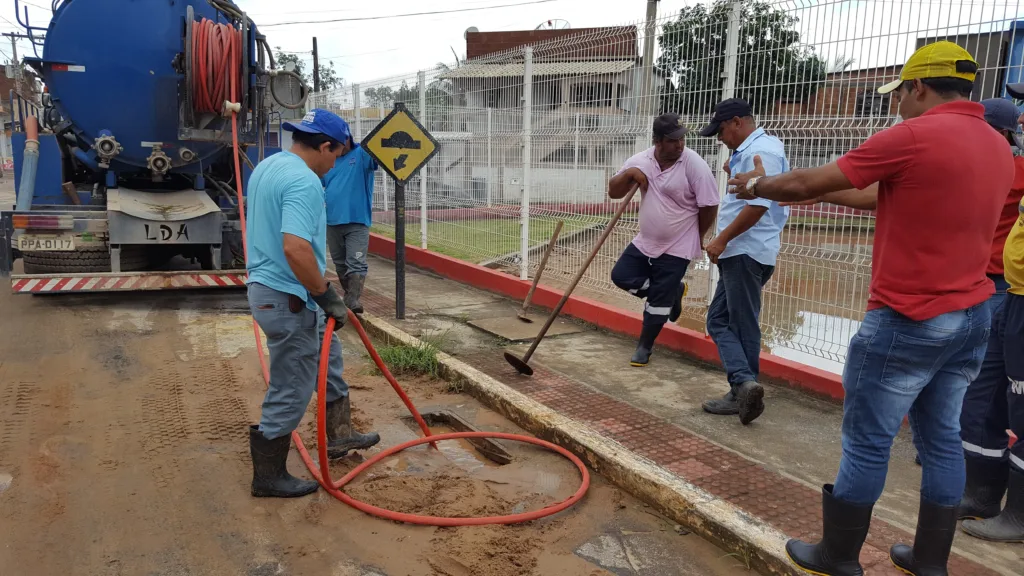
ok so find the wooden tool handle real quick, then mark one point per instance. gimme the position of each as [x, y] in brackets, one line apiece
[583, 270]
[543, 264]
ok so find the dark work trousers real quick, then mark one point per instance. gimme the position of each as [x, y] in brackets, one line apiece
[994, 401]
[659, 280]
[732, 319]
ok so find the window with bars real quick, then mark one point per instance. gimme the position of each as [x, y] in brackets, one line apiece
[591, 95]
[870, 104]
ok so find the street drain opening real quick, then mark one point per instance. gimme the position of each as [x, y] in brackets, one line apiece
[469, 454]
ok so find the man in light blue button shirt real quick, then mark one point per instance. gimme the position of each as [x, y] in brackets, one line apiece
[745, 251]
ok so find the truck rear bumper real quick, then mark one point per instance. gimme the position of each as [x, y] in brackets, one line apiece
[125, 281]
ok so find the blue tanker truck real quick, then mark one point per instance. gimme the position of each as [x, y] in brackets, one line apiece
[128, 172]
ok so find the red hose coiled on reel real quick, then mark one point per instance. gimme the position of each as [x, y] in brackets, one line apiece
[216, 65]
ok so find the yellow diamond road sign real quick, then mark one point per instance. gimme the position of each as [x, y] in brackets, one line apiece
[400, 144]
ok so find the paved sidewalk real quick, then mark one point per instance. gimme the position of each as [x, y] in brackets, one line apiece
[772, 469]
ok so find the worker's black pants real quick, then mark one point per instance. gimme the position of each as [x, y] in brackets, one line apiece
[994, 401]
[659, 280]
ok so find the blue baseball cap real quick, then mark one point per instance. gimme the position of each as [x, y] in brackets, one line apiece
[320, 121]
[1002, 114]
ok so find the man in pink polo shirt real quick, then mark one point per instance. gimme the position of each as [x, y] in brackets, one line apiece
[679, 203]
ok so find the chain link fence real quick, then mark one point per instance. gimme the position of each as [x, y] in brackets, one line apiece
[531, 134]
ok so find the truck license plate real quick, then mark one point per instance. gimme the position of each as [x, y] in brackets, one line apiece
[33, 243]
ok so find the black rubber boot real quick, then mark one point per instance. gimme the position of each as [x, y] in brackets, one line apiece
[724, 406]
[936, 526]
[341, 435]
[750, 396]
[645, 345]
[353, 292]
[986, 484]
[677, 305]
[270, 477]
[844, 528]
[1008, 526]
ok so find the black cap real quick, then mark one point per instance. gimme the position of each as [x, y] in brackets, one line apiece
[725, 111]
[670, 126]
[1015, 90]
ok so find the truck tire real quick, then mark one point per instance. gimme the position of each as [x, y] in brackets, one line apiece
[133, 258]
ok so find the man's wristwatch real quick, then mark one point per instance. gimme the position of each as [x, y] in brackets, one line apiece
[752, 185]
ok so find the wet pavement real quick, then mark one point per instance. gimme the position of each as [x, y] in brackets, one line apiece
[792, 449]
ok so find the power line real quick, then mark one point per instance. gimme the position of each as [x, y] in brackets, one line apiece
[405, 15]
[259, 14]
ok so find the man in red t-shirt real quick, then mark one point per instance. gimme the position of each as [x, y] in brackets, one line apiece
[940, 178]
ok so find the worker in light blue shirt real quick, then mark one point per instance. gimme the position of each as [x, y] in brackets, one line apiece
[290, 298]
[349, 216]
[745, 251]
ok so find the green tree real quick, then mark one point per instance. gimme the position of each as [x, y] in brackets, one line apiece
[329, 77]
[772, 65]
[439, 97]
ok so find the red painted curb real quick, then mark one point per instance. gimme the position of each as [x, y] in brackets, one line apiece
[674, 337]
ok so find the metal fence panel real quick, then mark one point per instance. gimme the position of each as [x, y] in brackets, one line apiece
[530, 136]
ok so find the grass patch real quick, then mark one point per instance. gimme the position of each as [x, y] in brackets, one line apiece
[406, 360]
[482, 239]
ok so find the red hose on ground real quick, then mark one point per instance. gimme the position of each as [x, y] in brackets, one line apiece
[216, 51]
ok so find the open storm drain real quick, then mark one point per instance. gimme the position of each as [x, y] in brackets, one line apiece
[468, 450]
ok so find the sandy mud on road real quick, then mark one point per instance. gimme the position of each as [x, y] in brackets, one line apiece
[124, 451]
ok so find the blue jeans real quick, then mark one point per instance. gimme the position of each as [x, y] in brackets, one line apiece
[897, 366]
[659, 280]
[993, 402]
[294, 334]
[734, 313]
[348, 244]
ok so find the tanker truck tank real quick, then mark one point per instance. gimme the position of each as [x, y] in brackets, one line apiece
[139, 103]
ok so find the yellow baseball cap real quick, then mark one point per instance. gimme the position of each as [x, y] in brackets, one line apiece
[936, 60]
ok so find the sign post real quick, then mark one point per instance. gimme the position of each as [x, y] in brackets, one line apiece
[399, 250]
[401, 146]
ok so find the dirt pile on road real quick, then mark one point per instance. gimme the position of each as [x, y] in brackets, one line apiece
[446, 494]
[485, 551]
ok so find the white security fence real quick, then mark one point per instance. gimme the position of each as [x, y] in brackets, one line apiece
[530, 136]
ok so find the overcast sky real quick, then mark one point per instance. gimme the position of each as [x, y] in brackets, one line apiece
[372, 49]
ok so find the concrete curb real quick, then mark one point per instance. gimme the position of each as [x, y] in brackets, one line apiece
[754, 542]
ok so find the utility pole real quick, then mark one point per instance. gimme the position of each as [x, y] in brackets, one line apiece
[316, 68]
[650, 39]
[16, 65]
[646, 93]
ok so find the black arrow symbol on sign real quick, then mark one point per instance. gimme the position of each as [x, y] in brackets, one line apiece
[400, 161]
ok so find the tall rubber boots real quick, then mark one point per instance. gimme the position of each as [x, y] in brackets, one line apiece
[270, 477]
[645, 345]
[936, 526]
[986, 484]
[341, 435]
[844, 528]
[353, 285]
[1008, 526]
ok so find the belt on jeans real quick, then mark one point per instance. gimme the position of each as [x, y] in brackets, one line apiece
[295, 304]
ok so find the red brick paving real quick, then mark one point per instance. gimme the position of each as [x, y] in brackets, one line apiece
[792, 508]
